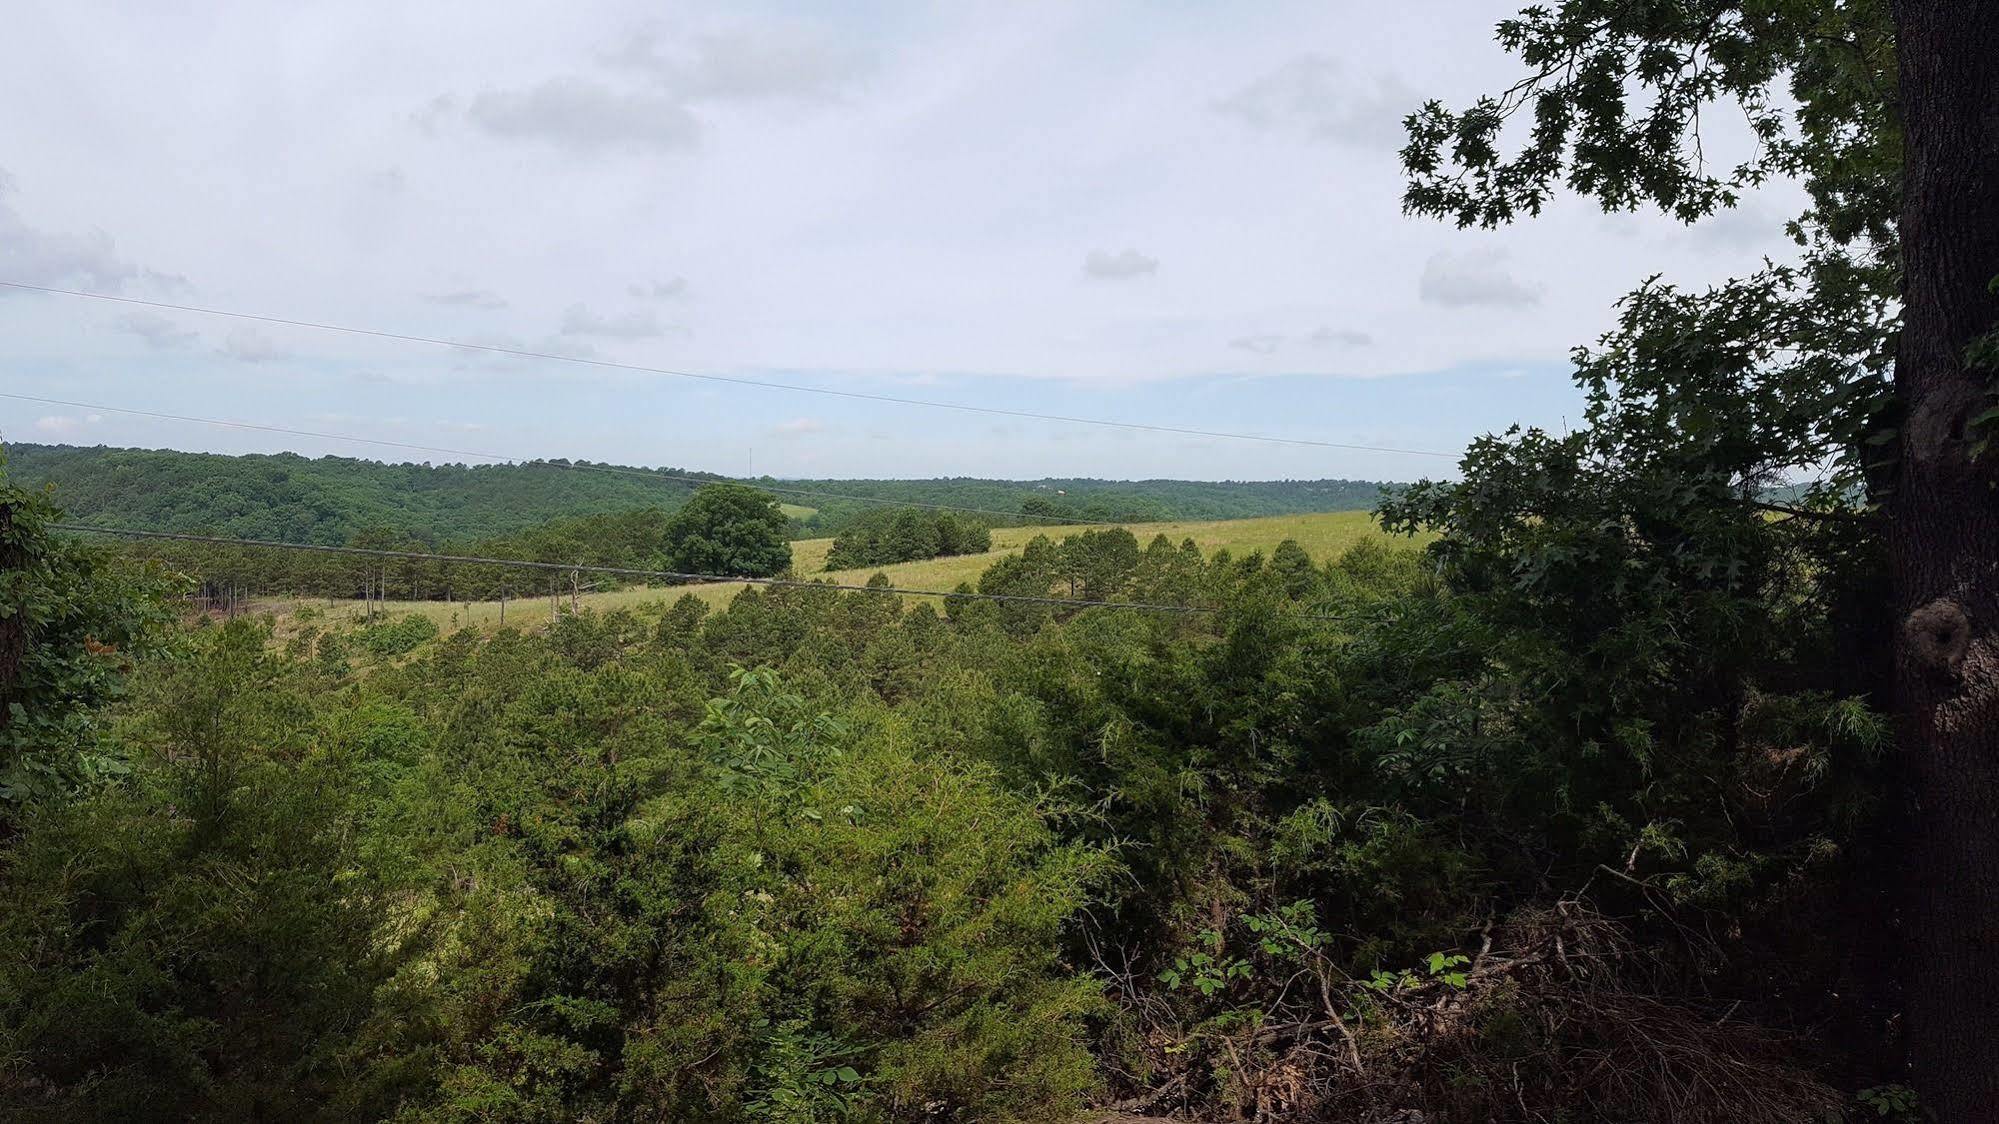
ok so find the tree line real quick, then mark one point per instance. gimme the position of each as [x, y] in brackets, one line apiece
[882, 538]
[330, 500]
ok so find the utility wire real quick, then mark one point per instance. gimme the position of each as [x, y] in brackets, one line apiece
[634, 572]
[656, 474]
[738, 380]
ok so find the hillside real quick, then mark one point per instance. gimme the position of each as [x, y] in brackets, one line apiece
[329, 499]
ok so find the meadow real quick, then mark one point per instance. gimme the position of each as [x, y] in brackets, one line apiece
[1323, 535]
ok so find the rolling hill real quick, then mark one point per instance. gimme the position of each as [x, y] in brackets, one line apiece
[329, 499]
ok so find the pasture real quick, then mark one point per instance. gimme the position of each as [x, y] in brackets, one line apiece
[1323, 535]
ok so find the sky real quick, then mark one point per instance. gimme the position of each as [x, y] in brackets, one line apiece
[1168, 213]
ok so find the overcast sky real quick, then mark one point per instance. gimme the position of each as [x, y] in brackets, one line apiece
[1176, 213]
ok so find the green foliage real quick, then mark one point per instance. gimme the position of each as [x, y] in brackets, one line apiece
[397, 637]
[1890, 1102]
[200, 942]
[72, 621]
[331, 500]
[728, 529]
[886, 537]
[817, 856]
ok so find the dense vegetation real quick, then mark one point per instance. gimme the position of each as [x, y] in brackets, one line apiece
[327, 500]
[1357, 840]
[1594, 809]
[883, 538]
[331, 500]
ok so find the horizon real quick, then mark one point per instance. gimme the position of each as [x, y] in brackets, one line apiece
[381, 462]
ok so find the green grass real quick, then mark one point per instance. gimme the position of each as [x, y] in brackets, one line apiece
[1323, 536]
[797, 511]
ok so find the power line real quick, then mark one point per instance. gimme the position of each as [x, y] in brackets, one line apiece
[658, 474]
[634, 572]
[738, 380]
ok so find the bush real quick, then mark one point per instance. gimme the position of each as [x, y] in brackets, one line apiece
[398, 637]
[797, 919]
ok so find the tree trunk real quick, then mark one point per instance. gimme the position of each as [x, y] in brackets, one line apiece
[14, 623]
[1945, 550]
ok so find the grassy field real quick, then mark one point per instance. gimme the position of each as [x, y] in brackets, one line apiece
[1323, 536]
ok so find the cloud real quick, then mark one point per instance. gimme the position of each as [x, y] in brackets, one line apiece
[649, 107]
[477, 350]
[1313, 93]
[248, 345]
[798, 427]
[158, 331]
[1474, 279]
[1342, 337]
[1125, 264]
[637, 325]
[1746, 226]
[64, 423]
[40, 257]
[582, 116]
[469, 298]
[788, 64]
[672, 288]
[1262, 345]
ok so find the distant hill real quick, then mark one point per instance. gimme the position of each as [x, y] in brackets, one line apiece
[329, 499]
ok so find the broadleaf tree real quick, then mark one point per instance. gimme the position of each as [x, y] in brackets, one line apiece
[729, 529]
[1862, 370]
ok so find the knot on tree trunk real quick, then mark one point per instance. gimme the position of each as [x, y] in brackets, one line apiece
[1938, 634]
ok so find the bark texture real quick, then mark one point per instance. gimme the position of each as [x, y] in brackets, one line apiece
[1945, 545]
[13, 621]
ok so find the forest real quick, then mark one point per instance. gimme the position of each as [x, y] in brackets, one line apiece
[334, 500]
[1365, 835]
[1649, 776]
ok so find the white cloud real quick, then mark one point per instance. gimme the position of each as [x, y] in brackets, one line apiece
[585, 117]
[60, 424]
[1122, 265]
[41, 257]
[1262, 345]
[672, 288]
[635, 325]
[1313, 92]
[158, 331]
[249, 345]
[1477, 278]
[469, 298]
[798, 427]
[772, 63]
[1745, 226]
[1340, 337]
